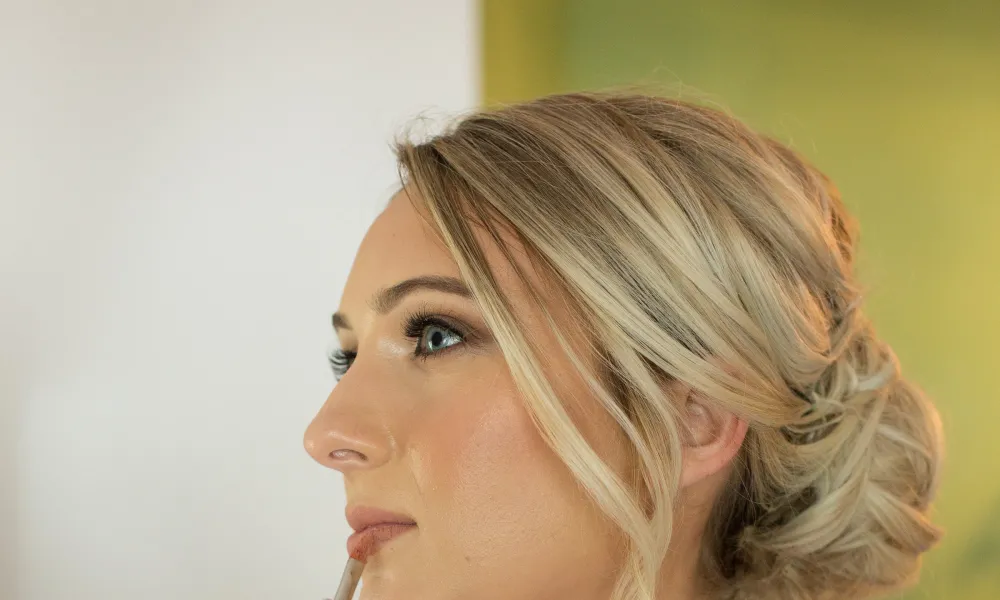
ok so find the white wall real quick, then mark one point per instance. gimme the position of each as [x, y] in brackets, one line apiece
[182, 188]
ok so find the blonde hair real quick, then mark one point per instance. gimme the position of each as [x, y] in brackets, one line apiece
[698, 250]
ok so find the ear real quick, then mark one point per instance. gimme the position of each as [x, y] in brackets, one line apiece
[710, 437]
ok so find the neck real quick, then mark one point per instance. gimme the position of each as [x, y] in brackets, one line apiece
[680, 575]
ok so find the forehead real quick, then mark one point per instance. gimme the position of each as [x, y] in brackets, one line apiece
[398, 245]
[401, 243]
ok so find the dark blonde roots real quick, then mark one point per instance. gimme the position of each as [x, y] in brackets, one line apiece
[685, 240]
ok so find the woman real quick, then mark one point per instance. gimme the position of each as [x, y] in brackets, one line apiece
[611, 346]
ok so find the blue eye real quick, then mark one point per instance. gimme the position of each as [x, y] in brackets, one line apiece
[434, 338]
[432, 333]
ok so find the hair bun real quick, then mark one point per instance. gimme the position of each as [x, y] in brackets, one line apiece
[859, 520]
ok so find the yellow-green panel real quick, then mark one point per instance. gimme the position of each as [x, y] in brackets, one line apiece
[523, 48]
[900, 103]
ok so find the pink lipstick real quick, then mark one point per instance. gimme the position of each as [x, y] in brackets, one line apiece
[362, 544]
[373, 528]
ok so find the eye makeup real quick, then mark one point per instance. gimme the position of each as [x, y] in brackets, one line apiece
[427, 329]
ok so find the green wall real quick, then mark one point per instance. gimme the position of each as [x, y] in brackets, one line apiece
[900, 104]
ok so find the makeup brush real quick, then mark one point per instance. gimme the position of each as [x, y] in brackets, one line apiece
[352, 574]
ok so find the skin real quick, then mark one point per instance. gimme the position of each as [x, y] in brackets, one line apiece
[447, 440]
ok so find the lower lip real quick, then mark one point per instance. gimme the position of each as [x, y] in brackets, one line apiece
[363, 544]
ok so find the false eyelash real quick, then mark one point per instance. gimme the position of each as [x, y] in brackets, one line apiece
[340, 361]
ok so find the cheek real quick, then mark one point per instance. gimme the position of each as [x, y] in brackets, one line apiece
[502, 503]
[501, 480]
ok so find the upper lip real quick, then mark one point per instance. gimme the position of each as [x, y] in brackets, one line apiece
[363, 517]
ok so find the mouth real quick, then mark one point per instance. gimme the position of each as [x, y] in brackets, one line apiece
[361, 545]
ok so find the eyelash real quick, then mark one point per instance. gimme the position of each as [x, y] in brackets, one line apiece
[414, 324]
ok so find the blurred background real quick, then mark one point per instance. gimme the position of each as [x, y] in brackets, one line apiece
[183, 186]
[899, 102]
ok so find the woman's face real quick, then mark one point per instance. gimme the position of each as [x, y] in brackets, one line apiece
[427, 422]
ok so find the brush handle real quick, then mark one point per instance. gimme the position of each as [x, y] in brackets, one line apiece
[349, 580]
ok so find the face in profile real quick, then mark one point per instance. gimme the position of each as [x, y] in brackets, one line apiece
[426, 423]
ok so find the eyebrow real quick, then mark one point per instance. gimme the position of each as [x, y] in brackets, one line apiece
[386, 299]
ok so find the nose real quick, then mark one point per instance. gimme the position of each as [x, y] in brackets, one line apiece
[347, 433]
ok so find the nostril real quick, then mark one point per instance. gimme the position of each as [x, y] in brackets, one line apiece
[344, 454]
